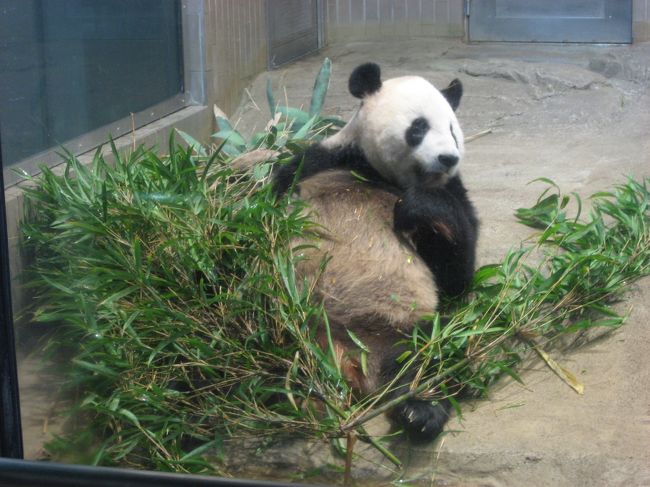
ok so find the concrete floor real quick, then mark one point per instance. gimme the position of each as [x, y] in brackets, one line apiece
[581, 116]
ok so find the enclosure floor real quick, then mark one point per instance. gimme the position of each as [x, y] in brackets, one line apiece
[581, 116]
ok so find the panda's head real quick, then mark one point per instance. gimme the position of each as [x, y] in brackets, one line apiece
[405, 127]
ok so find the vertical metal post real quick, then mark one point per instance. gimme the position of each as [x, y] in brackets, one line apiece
[321, 16]
[11, 441]
[466, 13]
[193, 38]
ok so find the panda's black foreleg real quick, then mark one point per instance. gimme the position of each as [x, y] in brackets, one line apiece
[317, 158]
[442, 224]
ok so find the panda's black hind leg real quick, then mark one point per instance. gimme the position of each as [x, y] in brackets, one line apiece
[422, 421]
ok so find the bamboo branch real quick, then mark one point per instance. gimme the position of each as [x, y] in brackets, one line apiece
[407, 395]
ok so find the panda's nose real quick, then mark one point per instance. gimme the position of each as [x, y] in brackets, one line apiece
[448, 160]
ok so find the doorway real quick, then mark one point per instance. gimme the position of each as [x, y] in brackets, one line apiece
[584, 21]
[295, 29]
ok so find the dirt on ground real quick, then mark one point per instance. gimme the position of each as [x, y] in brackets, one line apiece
[579, 115]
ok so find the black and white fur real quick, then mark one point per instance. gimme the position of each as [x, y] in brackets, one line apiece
[397, 236]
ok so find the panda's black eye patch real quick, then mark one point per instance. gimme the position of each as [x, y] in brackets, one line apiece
[416, 132]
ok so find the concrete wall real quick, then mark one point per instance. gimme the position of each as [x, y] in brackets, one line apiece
[641, 20]
[236, 48]
[380, 19]
[349, 20]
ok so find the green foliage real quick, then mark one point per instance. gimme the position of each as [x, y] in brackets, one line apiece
[169, 287]
[564, 283]
[288, 126]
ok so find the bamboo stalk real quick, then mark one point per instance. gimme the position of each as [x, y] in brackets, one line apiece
[478, 135]
[349, 452]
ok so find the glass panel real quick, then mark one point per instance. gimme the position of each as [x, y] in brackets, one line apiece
[161, 324]
[70, 66]
[592, 21]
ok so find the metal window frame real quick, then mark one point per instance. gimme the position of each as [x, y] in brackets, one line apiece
[193, 93]
[11, 439]
[25, 473]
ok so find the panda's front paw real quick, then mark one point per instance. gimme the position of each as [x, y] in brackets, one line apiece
[430, 211]
[405, 217]
[422, 421]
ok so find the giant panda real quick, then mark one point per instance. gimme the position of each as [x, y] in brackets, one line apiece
[395, 225]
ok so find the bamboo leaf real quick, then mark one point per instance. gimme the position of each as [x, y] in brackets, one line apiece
[95, 368]
[270, 98]
[130, 416]
[357, 341]
[320, 88]
[192, 142]
[560, 371]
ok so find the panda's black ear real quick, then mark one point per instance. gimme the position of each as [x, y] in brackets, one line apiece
[365, 80]
[453, 93]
